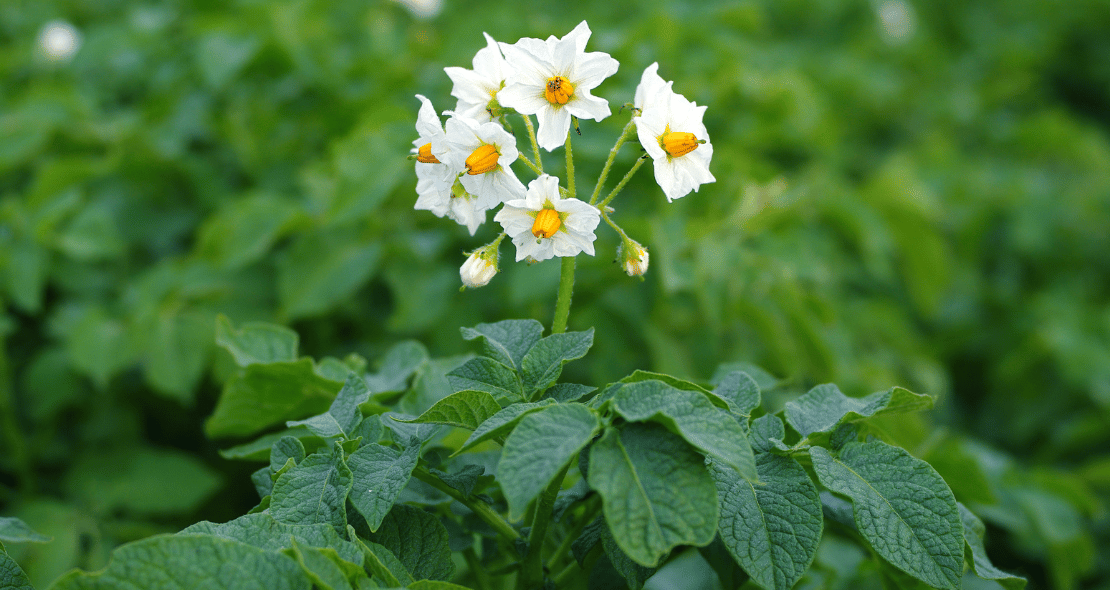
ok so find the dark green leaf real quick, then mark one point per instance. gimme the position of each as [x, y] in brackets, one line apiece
[321, 568]
[256, 342]
[901, 506]
[656, 493]
[488, 375]
[465, 409]
[974, 531]
[315, 491]
[262, 531]
[543, 364]
[824, 407]
[507, 341]
[502, 422]
[285, 448]
[464, 480]
[11, 575]
[633, 573]
[418, 540]
[538, 449]
[765, 429]
[343, 416]
[264, 395]
[380, 473]
[586, 541]
[141, 480]
[382, 563]
[402, 360]
[740, 391]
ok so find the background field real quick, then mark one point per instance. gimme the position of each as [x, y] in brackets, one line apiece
[911, 194]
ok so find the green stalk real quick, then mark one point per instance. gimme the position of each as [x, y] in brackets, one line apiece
[562, 303]
[534, 168]
[624, 181]
[531, 569]
[592, 507]
[535, 145]
[570, 166]
[480, 576]
[479, 507]
[612, 157]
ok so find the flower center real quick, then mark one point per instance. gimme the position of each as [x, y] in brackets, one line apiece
[547, 223]
[482, 159]
[425, 155]
[678, 144]
[559, 90]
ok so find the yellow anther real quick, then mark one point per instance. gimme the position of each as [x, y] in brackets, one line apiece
[678, 144]
[482, 159]
[547, 223]
[559, 90]
[425, 155]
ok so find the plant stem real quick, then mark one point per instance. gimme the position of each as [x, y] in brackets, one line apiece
[534, 168]
[480, 576]
[479, 507]
[562, 303]
[570, 166]
[624, 181]
[615, 227]
[535, 145]
[612, 157]
[592, 506]
[531, 569]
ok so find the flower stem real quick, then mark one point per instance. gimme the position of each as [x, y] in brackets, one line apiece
[476, 569]
[562, 303]
[535, 145]
[531, 569]
[570, 167]
[620, 185]
[628, 130]
[531, 165]
[480, 508]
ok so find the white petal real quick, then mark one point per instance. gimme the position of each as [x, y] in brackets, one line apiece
[588, 106]
[591, 69]
[580, 35]
[515, 220]
[427, 121]
[527, 245]
[554, 125]
[527, 99]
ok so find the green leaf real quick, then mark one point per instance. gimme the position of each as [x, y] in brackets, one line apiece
[324, 572]
[434, 585]
[265, 395]
[13, 530]
[380, 473]
[633, 573]
[382, 563]
[141, 481]
[463, 480]
[395, 368]
[901, 506]
[507, 341]
[502, 422]
[419, 540]
[568, 392]
[590, 537]
[465, 409]
[285, 448]
[264, 532]
[243, 230]
[263, 480]
[639, 376]
[655, 490]
[99, 345]
[543, 363]
[740, 391]
[690, 415]
[11, 575]
[178, 346]
[974, 531]
[190, 561]
[765, 429]
[488, 375]
[315, 491]
[323, 269]
[824, 407]
[771, 529]
[259, 448]
[538, 449]
[343, 416]
[369, 430]
[256, 342]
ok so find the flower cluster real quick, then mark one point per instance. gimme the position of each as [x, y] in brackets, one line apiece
[464, 167]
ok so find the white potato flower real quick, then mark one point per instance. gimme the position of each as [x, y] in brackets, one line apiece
[552, 79]
[633, 257]
[477, 89]
[481, 153]
[671, 130]
[437, 189]
[544, 224]
[480, 267]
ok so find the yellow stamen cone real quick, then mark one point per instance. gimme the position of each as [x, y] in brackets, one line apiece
[678, 144]
[547, 223]
[559, 90]
[482, 159]
[425, 155]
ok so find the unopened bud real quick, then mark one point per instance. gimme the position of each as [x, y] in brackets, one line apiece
[633, 257]
[479, 267]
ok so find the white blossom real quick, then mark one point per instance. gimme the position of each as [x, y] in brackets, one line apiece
[479, 268]
[552, 79]
[651, 88]
[481, 154]
[477, 89]
[544, 224]
[671, 130]
[633, 257]
[436, 186]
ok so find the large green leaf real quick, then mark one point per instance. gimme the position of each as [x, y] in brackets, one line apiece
[382, 562]
[507, 341]
[380, 473]
[315, 491]
[263, 531]
[395, 368]
[465, 409]
[656, 492]
[13, 530]
[824, 407]
[974, 531]
[690, 415]
[267, 394]
[488, 375]
[538, 449]
[322, 566]
[740, 391]
[256, 342]
[773, 528]
[11, 575]
[901, 506]
[502, 422]
[191, 561]
[343, 416]
[419, 540]
[543, 363]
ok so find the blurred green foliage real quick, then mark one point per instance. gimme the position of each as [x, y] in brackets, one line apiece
[908, 193]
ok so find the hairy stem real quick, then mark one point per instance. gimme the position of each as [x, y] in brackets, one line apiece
[628, 130]
[570, 167]
[592, 507]
[481, 578]
[562, 303]
[531, 165]
[624, 181]
[479, 507]
[531, 569]
[535, 145]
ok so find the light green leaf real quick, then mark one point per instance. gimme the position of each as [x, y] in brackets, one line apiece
[13, 530]
[11, 575]
[544, 362]
[395, 368]
[244, 229]
[382, 563]
[690, 415]
[323, 269]
[502, 422]
[262, 531]
[324, 572]
[267, 394]
[465, 409]
[190, 561]
[315, 491]
[974, 531]
[538, 449]
[259, 448]
[343, 416]
[256, 342]
[655, 490]
[419, 540]
[380, 473]
[771, 529]
[567, 392]
[901, 506]
[488, 375]
[740, 391]
[507, 341]
[285, 448]
[141, 481]
[178, 346]
[824, 407]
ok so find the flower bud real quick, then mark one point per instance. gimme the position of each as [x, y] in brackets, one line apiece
[480, 267]
[633, 257]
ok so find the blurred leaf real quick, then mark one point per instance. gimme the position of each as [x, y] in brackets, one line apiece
[402, 360]
[824, 407]
[322, 269]
[343, 415]
[256, 342]
[267, 394]
[245, 229]
[13, 530]
[142, 481]
[974, 531]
